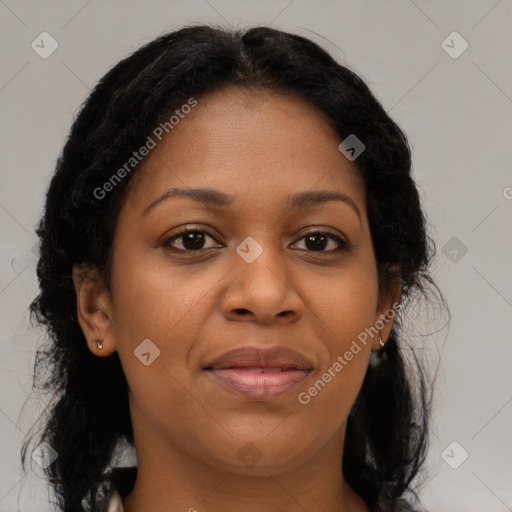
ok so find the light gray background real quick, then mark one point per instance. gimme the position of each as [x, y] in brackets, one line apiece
[456, 111]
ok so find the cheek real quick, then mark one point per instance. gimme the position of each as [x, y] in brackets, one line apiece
[158, 301]
[344, 311]
[327, 401]
[167, 306]
[330, 395]
[346, 304]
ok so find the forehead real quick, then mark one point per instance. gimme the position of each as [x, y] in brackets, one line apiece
[253, 144]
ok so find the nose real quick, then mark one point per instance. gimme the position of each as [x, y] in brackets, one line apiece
[261, 291]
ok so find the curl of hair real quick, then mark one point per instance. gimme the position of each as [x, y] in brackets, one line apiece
[388, 425]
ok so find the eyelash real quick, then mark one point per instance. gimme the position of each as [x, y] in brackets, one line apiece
[343, 245]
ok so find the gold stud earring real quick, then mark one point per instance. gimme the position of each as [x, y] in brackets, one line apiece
[99, 343]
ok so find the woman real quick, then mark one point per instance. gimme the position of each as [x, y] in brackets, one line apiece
[230, 232]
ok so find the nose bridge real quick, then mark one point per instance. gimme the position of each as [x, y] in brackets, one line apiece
[262, 266]
[260, 285]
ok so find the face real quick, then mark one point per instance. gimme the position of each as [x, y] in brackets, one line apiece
[257, 270]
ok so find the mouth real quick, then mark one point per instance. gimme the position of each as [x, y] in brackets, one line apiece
[260, 374]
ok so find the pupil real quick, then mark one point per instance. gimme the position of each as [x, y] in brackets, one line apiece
[193, 241]
[316, 246]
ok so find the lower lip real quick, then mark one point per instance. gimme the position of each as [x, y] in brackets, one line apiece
[259, 385]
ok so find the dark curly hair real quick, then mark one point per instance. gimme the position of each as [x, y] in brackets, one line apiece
[388, 426]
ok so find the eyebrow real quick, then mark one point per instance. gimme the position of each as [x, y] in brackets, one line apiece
[211, 197]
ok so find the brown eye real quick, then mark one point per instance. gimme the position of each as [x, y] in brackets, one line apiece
[318, 241]
[191, 240]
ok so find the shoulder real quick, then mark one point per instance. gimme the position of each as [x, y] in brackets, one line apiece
[115, 502]
[120, 484]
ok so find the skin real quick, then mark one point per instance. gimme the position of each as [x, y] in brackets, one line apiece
[188, 428]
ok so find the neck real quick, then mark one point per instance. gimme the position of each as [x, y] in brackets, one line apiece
[189, 484]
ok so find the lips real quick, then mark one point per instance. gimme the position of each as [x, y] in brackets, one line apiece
[260, 374]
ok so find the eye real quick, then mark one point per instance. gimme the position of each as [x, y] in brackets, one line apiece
[191, 240]
[317, 241]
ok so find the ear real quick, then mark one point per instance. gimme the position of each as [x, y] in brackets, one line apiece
[387, 307]
[94, 309]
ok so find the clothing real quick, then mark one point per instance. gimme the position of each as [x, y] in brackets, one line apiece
[121, 481]
[115, 504]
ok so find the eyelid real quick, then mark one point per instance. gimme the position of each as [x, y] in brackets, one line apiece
[184, 230]
[316, 229]
[343, 243]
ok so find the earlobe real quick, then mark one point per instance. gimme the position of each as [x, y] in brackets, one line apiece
[93, 310]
